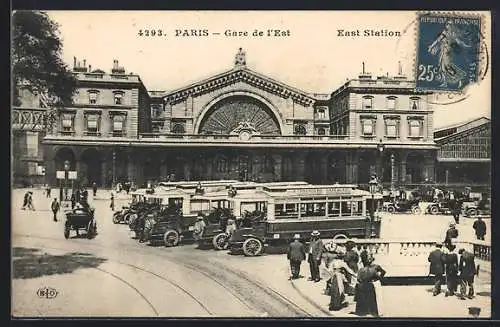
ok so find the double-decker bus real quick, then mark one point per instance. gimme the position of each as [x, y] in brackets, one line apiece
[337, 211]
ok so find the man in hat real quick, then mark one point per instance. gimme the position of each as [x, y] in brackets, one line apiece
[451, 270]
[199, 227]
[451, 233]
[315, 254]
[55, 208]
[296, 254]
[436, 259]
[480, 228]
[467, 269]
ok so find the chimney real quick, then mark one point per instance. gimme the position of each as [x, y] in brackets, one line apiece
[74, 62]
[364, 75]
[400, 75]
[117, 69]
[90, 68]
[84, 63]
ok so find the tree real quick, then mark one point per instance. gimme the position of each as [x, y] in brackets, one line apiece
[36, 59]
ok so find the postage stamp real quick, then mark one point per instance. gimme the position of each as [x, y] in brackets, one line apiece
[448, 51]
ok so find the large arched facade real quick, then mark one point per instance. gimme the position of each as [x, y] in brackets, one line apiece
[225, 114]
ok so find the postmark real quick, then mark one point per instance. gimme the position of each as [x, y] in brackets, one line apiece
[448, 51]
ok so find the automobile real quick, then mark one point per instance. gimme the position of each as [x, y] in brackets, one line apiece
[80, 219]
[406, 201]
[476, 208]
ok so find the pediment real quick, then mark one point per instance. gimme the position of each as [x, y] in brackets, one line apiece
[239, 74]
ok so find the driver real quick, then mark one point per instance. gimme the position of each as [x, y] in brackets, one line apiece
[231, 227]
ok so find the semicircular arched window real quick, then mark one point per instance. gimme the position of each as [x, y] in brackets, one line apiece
[178, 129]
[321, 131]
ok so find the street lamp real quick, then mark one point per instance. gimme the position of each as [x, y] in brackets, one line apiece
[114, 170]
[66, 175]
[373, 184]
[393, 173]
[380, 148]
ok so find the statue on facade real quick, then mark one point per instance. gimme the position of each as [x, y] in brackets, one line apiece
[239, 59]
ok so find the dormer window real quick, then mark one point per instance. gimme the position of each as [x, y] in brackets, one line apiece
[93, 95]
[415, 103]
[118, 97]
[367, 102]
[391, 103]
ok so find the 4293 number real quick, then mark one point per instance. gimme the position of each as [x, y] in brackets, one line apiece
[427, 73]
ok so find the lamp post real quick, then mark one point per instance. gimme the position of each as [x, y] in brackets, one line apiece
[393, 173]
[373, 184]
[114, 170]
[66, 173]
[380, 148]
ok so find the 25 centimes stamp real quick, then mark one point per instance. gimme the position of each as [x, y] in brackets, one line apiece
[448, 51]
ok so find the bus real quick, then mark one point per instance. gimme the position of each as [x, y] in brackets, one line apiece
[336, 211]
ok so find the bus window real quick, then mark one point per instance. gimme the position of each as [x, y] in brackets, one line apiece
[175, 202]
[345, 208]
[315, 209]
[333, 209]
[284, 211]
[357, 209]
[200, 205]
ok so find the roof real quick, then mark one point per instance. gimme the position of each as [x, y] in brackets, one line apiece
[467, 124]
[240, 74]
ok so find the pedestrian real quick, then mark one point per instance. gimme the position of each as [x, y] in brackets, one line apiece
[48, 190]
[78, 195]
[436, 268]
[352, 259]
[296, 254]
[112, 204]
[25, 200]
[94, 188]
[55, 208]
[451, 270]
[73, 200]
[467, 268]
[368, 289]
[480, 228]
[451, 233]
[456, 209]
[199, 227]
[30, 201]
[364, 255]
[315, 255]
[339, 271]
[84, 195]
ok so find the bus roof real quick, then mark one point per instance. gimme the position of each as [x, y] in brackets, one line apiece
[211, 196]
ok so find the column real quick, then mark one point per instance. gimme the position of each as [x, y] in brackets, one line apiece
[324, 169]
[402, 168]
[209, 160]
[130, 167]
[352, 168]
[104, 171]
[163, 170]
[277, 167]
[298, 165]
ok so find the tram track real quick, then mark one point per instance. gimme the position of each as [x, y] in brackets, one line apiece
[238, 284]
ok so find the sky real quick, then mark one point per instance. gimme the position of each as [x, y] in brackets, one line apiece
[310, 55]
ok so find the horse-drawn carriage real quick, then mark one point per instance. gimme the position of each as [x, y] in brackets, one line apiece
[80, 219]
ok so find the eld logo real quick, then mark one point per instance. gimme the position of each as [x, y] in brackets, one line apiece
[47, 293]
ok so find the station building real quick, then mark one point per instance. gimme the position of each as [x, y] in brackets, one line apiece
[241, 124]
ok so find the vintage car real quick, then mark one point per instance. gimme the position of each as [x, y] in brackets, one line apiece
[477, 208]
[336, 211]
[405, 201]
[78, 219]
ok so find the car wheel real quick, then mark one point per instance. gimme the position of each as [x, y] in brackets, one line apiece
[340, 237]
[391, 209]
[471, 212]
[171, 238]
[220, 241]
[416, 210]
[116, 220]
[252, 247]
[434, 210]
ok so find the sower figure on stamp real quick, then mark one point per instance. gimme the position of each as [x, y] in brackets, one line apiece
[296, 254]
[315, 255]
[436, 259]
[467, 268]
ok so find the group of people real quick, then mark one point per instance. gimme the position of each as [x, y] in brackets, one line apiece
[350, 269]
[446, 267]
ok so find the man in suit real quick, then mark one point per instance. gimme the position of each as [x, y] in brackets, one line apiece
[451, 233]
[480, 228]
[296, 254]
[436, 268]
[467, 269]
[451, 270]
[315, 254]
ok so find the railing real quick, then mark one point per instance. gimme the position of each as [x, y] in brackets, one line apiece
[405, 248]
[236, 138]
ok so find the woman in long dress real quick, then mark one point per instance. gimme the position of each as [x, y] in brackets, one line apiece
[367, 288]
[339, 273]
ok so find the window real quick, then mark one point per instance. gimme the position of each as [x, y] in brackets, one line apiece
[391, 128]
[299, 129]
[221, 165]
[32, 143]
[391, 103]
[367, 127]
[415, 128]
[118, 97]
[321, 131]
[178, 129]
[321, 113]
[367, 102]
[92, 124]
[93, 97]
[67, 122]
[414, 103]
[118, 124]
